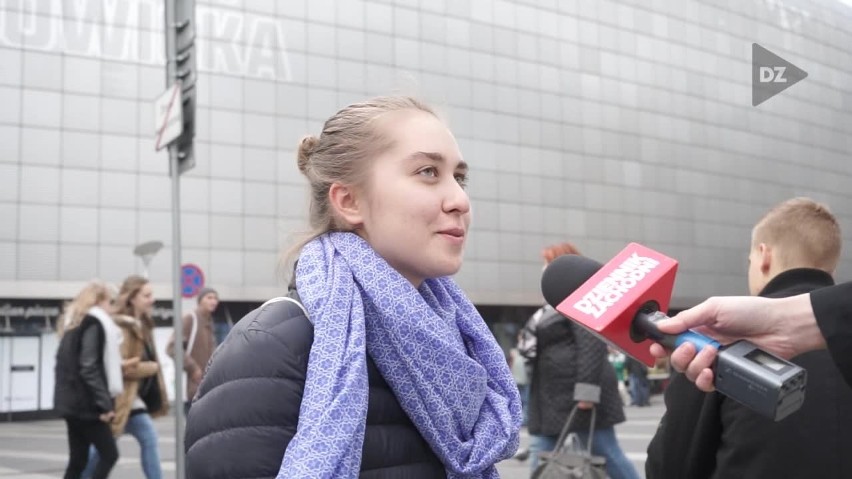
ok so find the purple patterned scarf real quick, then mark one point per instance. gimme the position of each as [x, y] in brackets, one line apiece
[430, 345]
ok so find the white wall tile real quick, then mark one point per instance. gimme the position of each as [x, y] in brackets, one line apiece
[40, 108]
[40, 146]
[118, 227]
[10, 177]
[259, 233]
[226, 196]
[226, 231]
[43, 70]
[117, 262]
[78, 224]
[38, 223]
[86, 77]
[12, 61]
[9, 223]
[8, 260]
[39, 184]
[80, 149]
[195, 230]
[157, 226]
[78, 262]
[10, 144]
[37, 261]
[80, 187]
[118, 152]
[118, 190]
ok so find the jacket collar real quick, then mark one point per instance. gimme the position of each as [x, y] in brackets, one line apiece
[796, 281]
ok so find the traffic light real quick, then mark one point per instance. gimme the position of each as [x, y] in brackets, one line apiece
[186, 73]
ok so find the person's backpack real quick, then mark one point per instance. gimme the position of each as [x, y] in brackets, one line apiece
[528, 342]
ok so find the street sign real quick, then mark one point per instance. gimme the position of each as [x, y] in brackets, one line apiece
[168, 116]
[191, 280]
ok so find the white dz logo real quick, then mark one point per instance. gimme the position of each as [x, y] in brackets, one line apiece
[771, 74]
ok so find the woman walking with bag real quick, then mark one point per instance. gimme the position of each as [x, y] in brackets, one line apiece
[571, 369]
[88, 376]
[144, 392]
[376, 365]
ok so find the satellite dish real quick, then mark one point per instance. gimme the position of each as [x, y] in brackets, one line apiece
[146, 251]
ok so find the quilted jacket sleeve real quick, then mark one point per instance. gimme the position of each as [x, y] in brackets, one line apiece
[247, 407]
[591, 358]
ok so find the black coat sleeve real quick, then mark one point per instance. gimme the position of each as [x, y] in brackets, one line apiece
[91, 366]
[833, 310]
[688, 436]
[247, 406]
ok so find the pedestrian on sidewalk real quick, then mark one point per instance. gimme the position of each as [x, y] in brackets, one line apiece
[144, 392]
[88, 378]
[199, 341]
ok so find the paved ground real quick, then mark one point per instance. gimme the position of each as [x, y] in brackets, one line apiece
[38, 450]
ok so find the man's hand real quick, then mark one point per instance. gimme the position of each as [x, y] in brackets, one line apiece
[196, 375]
[585, 405]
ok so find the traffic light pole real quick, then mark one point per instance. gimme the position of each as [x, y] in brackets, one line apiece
[177, 294]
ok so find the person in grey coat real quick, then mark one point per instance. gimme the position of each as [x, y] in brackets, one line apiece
[570, 368]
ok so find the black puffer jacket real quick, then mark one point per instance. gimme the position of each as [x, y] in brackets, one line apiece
[247, 407]
[81, 385]
[569, 358]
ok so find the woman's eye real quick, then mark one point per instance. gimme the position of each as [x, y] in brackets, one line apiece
[462, 179]
[428, 171]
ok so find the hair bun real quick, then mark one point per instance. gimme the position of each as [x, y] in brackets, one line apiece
[306, 148]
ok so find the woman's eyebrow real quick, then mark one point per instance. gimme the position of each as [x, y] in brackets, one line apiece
[437, 157]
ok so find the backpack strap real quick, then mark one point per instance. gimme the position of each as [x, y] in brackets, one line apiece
[192, 334]
[287, 298]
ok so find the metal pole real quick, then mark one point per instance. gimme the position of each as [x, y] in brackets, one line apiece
[171, 77]
[177, 316]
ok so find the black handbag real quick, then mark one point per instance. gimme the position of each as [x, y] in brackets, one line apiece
[149, 387]
[570, 460]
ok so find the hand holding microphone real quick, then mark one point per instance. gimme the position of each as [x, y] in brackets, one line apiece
[622, 302]
[775, 325]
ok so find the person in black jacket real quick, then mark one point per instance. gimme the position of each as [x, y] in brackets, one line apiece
[375, 365]
[88, 377]
[795, 249]
[570, 368]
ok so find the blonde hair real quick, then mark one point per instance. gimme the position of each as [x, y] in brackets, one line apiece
[341, 154]
[130, 288]
[802, 233]
[93, 293]
[552, 252]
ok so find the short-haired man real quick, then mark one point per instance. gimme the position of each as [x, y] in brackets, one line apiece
[199, 341]
[795, 249]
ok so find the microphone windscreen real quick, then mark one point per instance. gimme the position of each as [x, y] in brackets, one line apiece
[564, 275]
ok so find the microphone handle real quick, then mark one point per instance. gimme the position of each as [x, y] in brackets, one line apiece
[646, 322]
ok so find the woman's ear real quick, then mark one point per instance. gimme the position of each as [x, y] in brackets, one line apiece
[345, 204]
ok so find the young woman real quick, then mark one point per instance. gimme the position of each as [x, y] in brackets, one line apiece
[376, 365]
[88, 376]
[144, 393]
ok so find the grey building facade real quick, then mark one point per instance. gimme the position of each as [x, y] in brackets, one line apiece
[595, 122]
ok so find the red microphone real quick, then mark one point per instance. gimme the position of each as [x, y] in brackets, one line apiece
[608, 302]
[621, 302]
